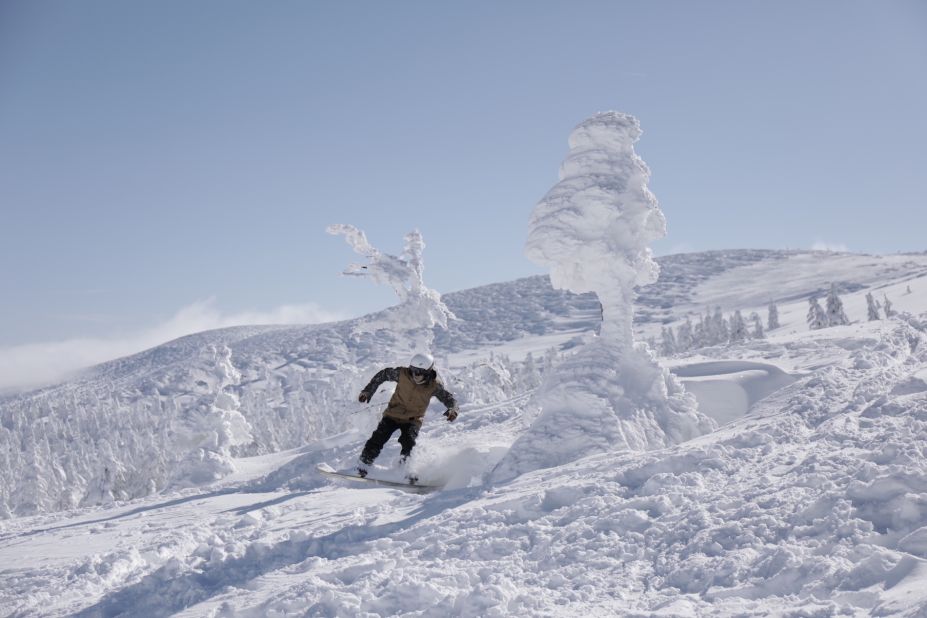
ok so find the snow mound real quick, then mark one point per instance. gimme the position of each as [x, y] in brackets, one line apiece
[601, 401]
[726, 390]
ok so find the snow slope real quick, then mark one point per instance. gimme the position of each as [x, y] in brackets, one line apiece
[809, 499]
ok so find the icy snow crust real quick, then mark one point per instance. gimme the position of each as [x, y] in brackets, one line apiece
[809, 499]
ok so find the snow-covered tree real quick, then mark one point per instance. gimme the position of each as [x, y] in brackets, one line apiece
[835, 314]
[887, 304]
[214, 424]
[719, 328]
[772, 320]
[420, 308]
[757, 326]
[30, 492]
[816, 317]
[667, 341]
[593, 230]
[700, 333]
[684, 336]
[529, 375]
[738, 332]
[872, 307]
[108, 481]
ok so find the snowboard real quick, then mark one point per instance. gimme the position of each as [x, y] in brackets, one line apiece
[409, 487]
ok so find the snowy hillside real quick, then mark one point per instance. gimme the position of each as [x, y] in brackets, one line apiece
[138, 425]
[182, 480]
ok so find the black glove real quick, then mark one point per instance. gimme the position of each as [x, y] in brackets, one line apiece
[364, 397]
[451, 414]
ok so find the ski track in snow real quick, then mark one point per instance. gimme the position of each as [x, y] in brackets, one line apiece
[810, 499]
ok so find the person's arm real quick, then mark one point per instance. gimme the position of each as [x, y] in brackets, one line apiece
[390, 374]
[445, 397]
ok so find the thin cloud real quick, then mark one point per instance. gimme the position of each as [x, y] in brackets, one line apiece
[822, 245]
[35, 364]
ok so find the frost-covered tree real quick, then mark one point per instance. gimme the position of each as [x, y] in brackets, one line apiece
[738, 328]
[757, 326]
[214, 424]
[420, 308]
[530, 374]
[700, 333]
[816, 317]
[109, 479]
[887, 305]
[835, 314]
[872, 307]
[593, 230]
[667, 341]
[684, 336]
[772, 318]
[30, 492]
[719, 328]
[8, 462]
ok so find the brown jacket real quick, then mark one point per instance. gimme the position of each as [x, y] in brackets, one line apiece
[410, 400]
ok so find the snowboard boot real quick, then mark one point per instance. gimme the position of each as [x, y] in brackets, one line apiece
[412, 479]
[361, 468]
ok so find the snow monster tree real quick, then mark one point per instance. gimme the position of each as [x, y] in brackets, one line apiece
[593, 230]
[420, 309]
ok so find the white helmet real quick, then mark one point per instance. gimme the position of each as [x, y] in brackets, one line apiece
[422, 361]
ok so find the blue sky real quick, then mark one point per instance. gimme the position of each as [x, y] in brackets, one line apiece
[166, 157]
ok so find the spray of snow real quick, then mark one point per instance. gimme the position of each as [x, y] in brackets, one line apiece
[420, 308]
[593, 230]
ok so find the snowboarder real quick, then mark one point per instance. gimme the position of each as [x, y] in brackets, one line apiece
[416, 385]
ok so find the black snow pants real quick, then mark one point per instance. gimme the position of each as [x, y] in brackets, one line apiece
[383, 432]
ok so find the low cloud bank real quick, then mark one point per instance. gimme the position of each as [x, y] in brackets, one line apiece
[35, 364]
[823, 245]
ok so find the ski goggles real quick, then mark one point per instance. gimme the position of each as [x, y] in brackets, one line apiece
[418, 372]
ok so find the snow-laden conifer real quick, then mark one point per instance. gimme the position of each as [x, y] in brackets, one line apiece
[757, 326]
[700, 333]
[719, 328]
[685, 336]
[872, 307]
[816, 317]
[835, 314]
[214, 424]
[887, 305]
[738, 328]
[593, 230]
[772, 319]
[667, 341]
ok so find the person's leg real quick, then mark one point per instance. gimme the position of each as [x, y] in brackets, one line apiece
[407, 437]
[378, 438]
